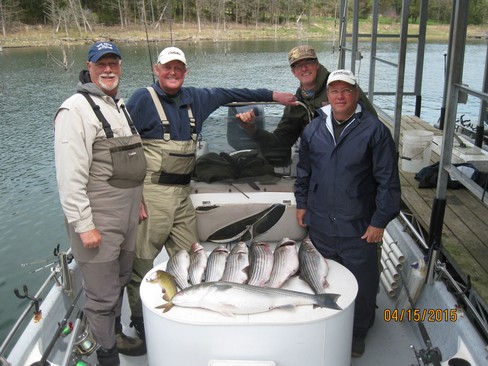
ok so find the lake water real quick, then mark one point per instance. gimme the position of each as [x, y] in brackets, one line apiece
[32, 87]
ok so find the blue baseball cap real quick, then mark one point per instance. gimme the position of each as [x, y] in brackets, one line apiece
[102, 48]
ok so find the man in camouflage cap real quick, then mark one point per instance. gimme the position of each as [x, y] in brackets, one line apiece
[303, 52]
[311, 93]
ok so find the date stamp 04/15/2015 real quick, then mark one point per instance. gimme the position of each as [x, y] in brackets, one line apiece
[420, 315]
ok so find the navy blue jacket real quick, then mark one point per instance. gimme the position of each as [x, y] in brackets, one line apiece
[203, 101]
[349, 184]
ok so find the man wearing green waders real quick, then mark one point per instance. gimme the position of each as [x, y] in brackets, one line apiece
[169, 118]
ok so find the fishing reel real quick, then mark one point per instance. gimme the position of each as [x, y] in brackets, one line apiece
[428, 356]
[84, 345]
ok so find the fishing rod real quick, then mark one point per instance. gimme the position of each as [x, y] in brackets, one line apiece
[431, 355]
[149, 49]
[39, 261]
[170, 22]
[61, 326]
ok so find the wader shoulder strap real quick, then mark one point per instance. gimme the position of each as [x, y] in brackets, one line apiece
[129, 120]
[164, 120]
[106, 126]
[96, 108]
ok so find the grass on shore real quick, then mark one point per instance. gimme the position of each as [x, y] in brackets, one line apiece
[42, 35]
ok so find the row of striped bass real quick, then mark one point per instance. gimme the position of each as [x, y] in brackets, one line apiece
[235, 298]
[313, 267]
[255, 266]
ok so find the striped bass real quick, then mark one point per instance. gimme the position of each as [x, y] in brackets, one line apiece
[234, 298]
[285, 263]
[198, 263]
[178, 266]
[313, 267]
[216, 264]
[260, 263]
[237, 266]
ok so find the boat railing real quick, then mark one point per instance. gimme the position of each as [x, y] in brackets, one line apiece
[478, 315]
[59, 274]
[416, 232]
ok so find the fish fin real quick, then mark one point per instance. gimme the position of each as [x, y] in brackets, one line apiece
[166, 307]
[247, 270]
[325, 283]
[328, 301]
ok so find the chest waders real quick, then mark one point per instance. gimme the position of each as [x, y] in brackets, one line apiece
[114, 189]
[170, 162]
[171, 221]
[114, 186]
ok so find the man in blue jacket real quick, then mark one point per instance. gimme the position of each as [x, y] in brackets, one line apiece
[169, 118]
[348, 189]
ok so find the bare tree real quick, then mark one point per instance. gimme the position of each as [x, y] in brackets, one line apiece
[198, 8]
[2, 18]
[83, 17]
[50, 12]
[9, 10]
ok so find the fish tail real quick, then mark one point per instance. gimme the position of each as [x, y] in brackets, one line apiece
[166, 307]
[328, 301]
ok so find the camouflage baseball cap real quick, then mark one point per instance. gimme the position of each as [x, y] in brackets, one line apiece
[300, 53]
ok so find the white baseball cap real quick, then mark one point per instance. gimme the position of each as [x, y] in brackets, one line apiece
[171, 54]
[342, 75]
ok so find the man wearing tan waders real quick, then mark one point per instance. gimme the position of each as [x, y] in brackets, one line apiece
[169, 118]
[100, 169]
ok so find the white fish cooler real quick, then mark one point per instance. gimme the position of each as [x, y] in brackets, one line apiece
[281, 337]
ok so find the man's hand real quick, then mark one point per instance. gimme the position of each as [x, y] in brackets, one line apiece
[248, 121]
[284, 98]
[373, 234]
[91, 239]
[300, 215]
[142, 212]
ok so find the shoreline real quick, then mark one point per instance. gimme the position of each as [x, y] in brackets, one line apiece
[44, 36]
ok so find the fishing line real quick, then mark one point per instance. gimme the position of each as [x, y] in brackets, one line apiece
[149, 49]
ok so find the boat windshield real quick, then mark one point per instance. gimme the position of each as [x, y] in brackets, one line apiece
[222, 132]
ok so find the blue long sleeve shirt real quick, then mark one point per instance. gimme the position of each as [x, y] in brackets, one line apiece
[203, 101]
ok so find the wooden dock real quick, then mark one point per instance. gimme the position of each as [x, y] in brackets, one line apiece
[465, 233]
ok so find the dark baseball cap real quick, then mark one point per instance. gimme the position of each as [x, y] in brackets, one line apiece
[100, 49]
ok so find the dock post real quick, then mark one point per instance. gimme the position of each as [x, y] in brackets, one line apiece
[435, 235]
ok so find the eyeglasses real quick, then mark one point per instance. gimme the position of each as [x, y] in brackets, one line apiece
[102, 65]
[346, 91]
[302, 64]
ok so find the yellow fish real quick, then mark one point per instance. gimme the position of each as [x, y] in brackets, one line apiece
[167, 283]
